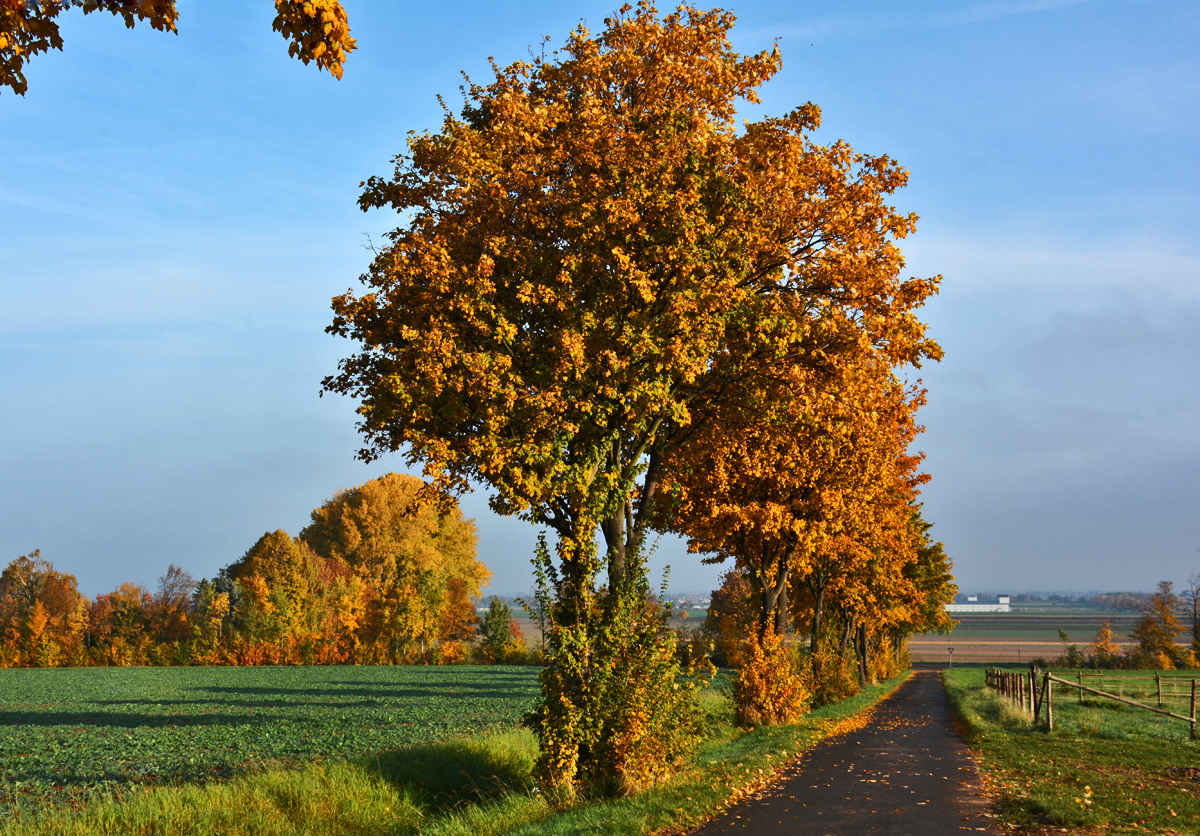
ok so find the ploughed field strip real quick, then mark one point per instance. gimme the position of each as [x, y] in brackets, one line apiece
[907, 772]
[68, 734]
[1017, 637]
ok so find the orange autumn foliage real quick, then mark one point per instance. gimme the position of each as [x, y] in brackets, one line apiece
[316, 30]
[769, 688]
[590, 256]
[281, 603]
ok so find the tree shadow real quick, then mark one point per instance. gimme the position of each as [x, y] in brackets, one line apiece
[131, 720]
[491, 691]
[443, 776]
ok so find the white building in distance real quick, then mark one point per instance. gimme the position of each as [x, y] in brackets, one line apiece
[973, 605]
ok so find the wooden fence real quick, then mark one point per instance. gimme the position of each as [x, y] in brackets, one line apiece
[1023, 689]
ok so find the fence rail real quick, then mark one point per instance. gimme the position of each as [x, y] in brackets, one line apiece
[1022, 688]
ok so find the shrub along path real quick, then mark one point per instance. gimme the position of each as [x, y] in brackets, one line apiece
[906, 772]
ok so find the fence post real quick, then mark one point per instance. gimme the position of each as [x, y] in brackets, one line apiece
[1033, 691]
[1049, 703]
[1080, 677]
[1158, 686]
[1193, 709]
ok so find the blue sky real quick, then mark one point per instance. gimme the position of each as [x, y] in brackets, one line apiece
[178, 211]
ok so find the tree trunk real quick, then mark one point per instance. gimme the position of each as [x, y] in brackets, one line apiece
[624, 530]
[783, 616]
[817, 586]
[614, 539]
[862, 655]
[775, 594]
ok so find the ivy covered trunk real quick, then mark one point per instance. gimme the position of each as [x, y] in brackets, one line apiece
[616, 712]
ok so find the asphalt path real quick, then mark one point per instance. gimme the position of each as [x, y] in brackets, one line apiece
[907, 772]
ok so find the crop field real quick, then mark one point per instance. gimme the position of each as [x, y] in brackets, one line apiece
[1017, 637]
[67, 735]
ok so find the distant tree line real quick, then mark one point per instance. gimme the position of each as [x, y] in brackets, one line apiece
[1128, 601]
[381, 575]
[1167, 635]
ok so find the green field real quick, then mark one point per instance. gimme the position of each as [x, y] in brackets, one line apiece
[71, 734]
[1105, 764]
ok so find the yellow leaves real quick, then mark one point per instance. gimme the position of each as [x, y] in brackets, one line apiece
[400, 539]
[318, 30]
[219, 608]
[768, 689]
[599, 266]
[38, 619]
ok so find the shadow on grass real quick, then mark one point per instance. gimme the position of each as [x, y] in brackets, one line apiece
[444, 776]
[382, 694]
[133, 720]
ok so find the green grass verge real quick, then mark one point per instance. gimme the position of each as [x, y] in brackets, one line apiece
[482, 786]
[1105, 766]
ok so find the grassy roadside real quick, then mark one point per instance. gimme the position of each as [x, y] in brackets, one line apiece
[481, 786]
[1105, 767]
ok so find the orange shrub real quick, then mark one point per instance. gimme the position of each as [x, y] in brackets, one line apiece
[769, 689]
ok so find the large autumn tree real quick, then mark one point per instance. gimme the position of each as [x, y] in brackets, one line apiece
[416, 559]
[591, 252]
[316, 30]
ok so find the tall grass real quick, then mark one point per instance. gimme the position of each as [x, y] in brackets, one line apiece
[472, 786]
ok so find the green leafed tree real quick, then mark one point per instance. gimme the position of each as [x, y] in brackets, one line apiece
[497, 636]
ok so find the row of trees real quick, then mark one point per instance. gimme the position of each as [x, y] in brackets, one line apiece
[853, 628]
[621, 311]
[1130, 601]
[381, 575]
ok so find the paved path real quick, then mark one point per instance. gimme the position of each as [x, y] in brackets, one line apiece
[907, 772]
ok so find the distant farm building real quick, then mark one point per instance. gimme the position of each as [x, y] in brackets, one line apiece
[972, 605]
